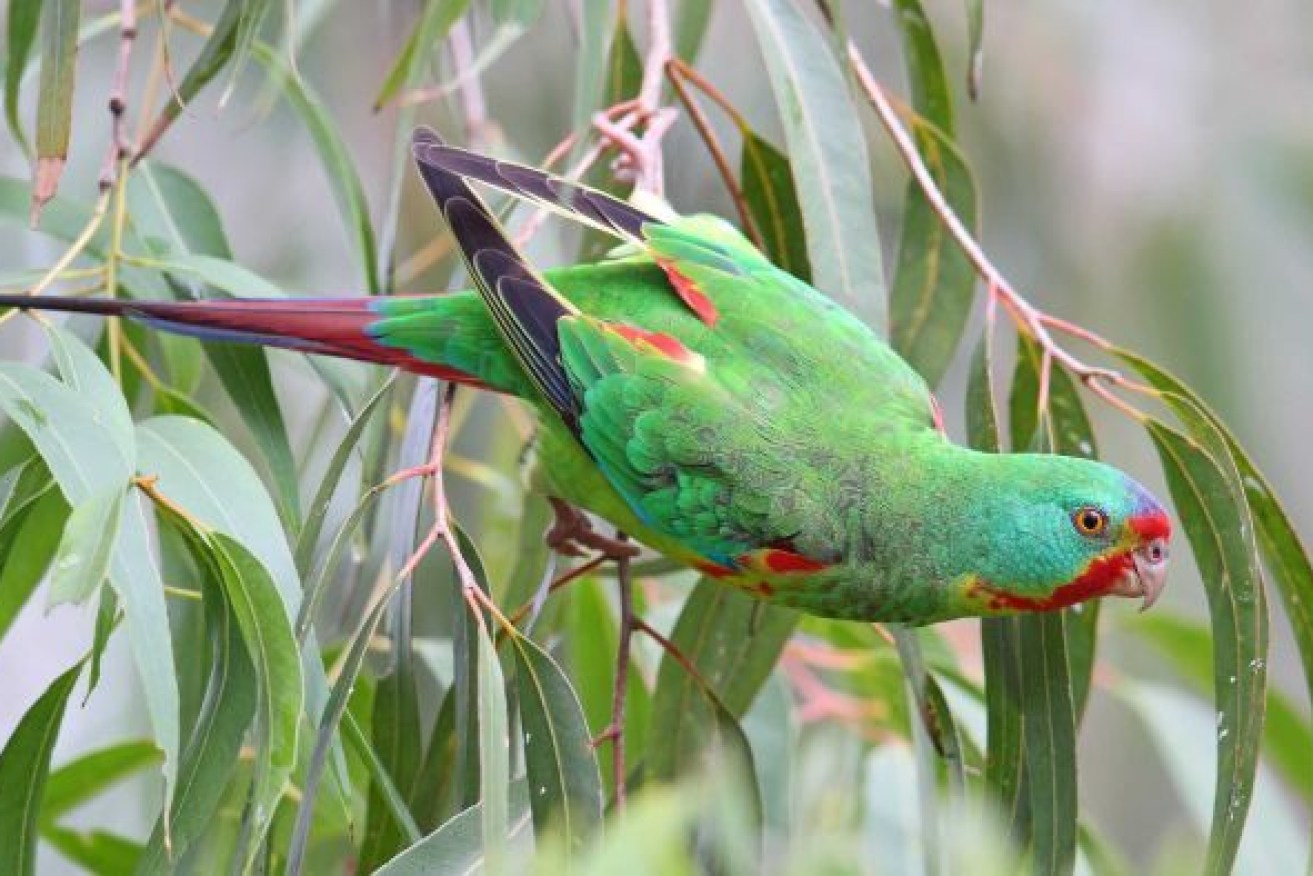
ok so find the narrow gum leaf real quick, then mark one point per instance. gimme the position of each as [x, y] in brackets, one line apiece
[827, 152]
[54, 120]
[211, 755]
[934, 283]
[24, 770]
[82, 560]
[494, 751]
[772, 201]
[23, 18]
[430, 28]
[561, 763]
[1211, 507]
[1214, 486]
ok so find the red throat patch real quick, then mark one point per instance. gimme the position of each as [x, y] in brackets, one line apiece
[1098, 579]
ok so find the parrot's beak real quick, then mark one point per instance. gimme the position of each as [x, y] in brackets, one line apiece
[1148, 573]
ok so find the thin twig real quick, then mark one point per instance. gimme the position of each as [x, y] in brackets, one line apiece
[473, 106]
[1027, 317]
[120, 149]
[620, 693]
[674, 71]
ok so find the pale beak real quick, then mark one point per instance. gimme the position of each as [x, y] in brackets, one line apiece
[1147, 575]
[1151, 569]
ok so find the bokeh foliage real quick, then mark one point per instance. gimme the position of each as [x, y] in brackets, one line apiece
[310, 709]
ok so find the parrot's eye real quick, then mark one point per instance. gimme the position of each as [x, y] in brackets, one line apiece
[1089, 520]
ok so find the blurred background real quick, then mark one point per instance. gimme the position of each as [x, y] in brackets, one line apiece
[1145, 170]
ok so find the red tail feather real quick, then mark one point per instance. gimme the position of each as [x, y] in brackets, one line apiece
[326, 326]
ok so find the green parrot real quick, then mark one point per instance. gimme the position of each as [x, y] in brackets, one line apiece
[724, 413]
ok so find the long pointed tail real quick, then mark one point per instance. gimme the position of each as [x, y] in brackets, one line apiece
[324, 326]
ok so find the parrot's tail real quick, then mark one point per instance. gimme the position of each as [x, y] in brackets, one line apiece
[340, 327]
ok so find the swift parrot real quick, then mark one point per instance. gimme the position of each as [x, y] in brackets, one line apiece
[722, 412]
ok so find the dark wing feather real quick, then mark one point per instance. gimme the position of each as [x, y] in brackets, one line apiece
[522, 305]
[583, 204]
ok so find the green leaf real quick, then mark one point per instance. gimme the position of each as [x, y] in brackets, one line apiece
[24, 768]
[691, 20]
[560, 760]
[1286, 556]
[1184, 731]
[773, 204]
[220, 273]
[694, 719]
[54, 114]
[308, 538]
[211, 755]
[36, 529]
[67, 429]
[91, 774]
[343, 180]
[934, 283]
[82, 561]
[75, 436]
[1287, 734]
[494, 752]
[201, 471]
[999, 637]
[827, 153]
[171, 206]
[82, 370]
[1049, 731]
[458, 846]
[327, 730]
[435, 22]
[596, 29]
[21, 25]
[1207, 495]
[98, 851]
[267, 632]
[213, 57]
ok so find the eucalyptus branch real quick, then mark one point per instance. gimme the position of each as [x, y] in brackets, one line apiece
[677, 72]
[1028, 318]
[120, 150]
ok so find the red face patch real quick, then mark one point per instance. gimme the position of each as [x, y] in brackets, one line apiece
[1098, 579]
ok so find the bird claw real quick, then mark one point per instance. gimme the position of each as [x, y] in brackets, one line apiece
[572, 534]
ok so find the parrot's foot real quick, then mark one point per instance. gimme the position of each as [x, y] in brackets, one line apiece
[573, 535]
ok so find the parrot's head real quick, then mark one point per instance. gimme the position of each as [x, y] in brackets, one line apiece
[1063, 530]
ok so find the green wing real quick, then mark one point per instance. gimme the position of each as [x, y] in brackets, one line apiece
[735, 423]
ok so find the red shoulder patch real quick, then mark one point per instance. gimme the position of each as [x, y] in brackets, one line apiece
[689, 293]
[664, 344]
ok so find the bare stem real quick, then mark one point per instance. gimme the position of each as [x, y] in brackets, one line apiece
[120, 149]
[620, 693]
[675, 71]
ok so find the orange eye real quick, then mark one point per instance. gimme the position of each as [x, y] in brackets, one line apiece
[1090, 520]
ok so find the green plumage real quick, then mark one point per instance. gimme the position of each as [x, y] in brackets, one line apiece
[789, 428]
[724, 413]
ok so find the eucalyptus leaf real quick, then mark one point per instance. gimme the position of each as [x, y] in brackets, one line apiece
[24, 771]
[827, 153]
